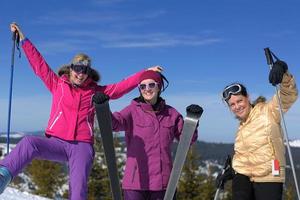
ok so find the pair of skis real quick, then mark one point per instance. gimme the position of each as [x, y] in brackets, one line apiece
[104, 120]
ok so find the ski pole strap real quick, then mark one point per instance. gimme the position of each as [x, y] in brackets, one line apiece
[16, 39]
[227, 163]
[18, 44]
[274, 56]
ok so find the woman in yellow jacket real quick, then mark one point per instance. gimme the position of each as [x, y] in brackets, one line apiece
[259, 153]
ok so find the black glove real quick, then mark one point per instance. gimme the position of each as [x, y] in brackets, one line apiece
[100, 98]
[194, 108]
[222, 178]
[277, 71]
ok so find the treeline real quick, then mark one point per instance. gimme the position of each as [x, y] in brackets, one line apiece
[50, 179]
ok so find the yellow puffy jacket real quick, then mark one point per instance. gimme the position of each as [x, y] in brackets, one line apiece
[259, 139]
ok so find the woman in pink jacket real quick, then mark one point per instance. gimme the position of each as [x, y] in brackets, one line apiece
[69, 134]
[150, 127]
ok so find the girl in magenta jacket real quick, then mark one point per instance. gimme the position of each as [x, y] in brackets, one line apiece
[150, 127]
[70, 126]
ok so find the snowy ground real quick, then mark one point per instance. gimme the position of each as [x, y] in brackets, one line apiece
[14, 194]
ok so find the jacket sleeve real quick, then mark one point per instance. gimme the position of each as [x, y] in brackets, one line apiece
[122, 121]
[39, 65]
[288, 94]
[117, 90]
[178, 130]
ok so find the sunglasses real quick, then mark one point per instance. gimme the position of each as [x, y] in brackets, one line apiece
[80, 69]
[231, 90]
[148, 86]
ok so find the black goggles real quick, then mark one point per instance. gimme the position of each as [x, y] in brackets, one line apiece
[231, 90]
[80, 69]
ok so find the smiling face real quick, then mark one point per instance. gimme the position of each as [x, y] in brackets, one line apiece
[77, 78]
[240, 106]
[149, 90]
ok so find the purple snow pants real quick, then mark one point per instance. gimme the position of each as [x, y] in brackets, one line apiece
[78, 155]
[144, 195]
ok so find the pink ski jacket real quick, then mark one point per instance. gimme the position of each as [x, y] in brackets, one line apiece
[72, 110]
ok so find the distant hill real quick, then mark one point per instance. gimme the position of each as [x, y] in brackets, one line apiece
[207, 150]
[15, 137]
[216, 152]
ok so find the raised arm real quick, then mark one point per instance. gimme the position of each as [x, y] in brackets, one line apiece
[36, 60]
[287, 92]
[116, 90]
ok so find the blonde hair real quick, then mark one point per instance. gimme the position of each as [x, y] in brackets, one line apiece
[81, 57]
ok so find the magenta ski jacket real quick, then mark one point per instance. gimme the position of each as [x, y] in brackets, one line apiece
[72, 110]
[149, 135]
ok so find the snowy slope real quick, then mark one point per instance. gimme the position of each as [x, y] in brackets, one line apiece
[295, 143]
[14, 194]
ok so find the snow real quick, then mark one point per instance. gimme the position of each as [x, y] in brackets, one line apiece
[13, 135]
[295, 143]
[14, 194]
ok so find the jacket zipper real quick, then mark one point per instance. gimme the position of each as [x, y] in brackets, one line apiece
[89, 125]
[53, 123]
[133, 175]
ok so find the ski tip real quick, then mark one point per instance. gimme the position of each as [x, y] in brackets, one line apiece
[196, 115]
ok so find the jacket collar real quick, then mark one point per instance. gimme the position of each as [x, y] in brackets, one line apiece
[86, 83]
[160, 105]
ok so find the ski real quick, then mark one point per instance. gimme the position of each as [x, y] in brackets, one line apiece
[104, 120]
[190, 124]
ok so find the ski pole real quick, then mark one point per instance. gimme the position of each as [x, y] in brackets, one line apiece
[14, 36]
[268, 54]
[226, 167]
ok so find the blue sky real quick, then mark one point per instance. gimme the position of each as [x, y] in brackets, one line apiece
[202, 45]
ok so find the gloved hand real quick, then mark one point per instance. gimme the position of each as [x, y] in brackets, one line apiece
[100, 98]
[222, 178]
[277, 71]
[194, 108]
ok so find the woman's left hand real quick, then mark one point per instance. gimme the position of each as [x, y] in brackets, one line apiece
[156, 68]
[14, 27]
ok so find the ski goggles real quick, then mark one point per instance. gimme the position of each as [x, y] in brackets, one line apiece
[231, 90]
[80, 68]
[148, 86]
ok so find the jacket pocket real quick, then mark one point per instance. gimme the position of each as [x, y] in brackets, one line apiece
[144, 129]
[55, 120]
[168, 129]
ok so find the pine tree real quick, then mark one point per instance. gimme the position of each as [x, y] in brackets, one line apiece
[208, 188]
[289, 192]
[48, 177]
[98, 183]
[192, 184]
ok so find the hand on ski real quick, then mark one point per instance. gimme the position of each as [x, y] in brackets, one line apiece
[14, 27]
[100, 97]
[194, 108]
[277, 71]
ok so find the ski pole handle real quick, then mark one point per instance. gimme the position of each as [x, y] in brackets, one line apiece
[268, 56]
[14, 35]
